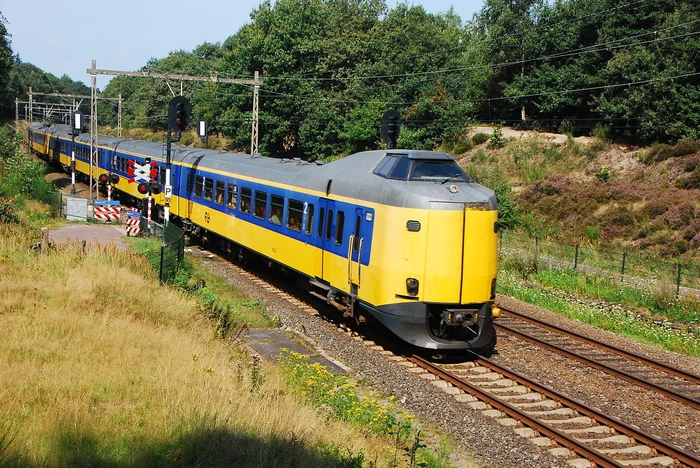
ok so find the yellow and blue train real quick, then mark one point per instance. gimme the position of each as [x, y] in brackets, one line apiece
[404, 236]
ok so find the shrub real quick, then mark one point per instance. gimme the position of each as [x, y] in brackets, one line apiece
[686, 146]
[497, 140]
[592, 232]
[462, 146]
[479, 138]
[656, 153]
[603, 174]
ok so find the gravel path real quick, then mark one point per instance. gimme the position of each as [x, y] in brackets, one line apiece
[490, 443]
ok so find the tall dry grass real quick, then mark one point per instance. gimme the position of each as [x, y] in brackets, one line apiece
[102, 366]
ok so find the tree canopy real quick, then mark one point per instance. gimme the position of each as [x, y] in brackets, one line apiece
[330, 68]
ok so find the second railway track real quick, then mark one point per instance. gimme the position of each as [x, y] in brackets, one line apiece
[674, 383]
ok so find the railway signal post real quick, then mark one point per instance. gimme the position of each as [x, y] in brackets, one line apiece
[391, 127]
[179, 111]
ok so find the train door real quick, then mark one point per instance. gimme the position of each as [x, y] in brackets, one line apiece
[356, 242]
[325, 236]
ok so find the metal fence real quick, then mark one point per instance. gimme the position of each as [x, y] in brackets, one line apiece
[625, 266]
[172, 253]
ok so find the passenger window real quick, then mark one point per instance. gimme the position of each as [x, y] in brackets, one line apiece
[276, 209]
[246, 194]
[294, 215]
[219, 192]
[339, 226]
[309, 218]
[208, 188]
[231, 196]
[329, 225]
[198, 184]
[320, 223]
[260, 204]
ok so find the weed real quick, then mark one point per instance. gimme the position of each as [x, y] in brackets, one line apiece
[479, 138]
[497, 140]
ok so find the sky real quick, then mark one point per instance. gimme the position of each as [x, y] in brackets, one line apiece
[63, 37]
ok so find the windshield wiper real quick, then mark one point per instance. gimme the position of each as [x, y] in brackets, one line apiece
[447, 179]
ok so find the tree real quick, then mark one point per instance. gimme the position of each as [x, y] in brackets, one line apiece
[6, 62]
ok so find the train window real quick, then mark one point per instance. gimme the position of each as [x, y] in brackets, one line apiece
[208, 188]
[276, 209]
[386, 166]
[198, 184]
[294, 215]
[220, 186]
[438, 170]
[320, 223]
[339, 227]
[356, 239]
[309, 218]
[400, 170]
[329, 225]
[246, 194]
[260, 204]
[231, 196]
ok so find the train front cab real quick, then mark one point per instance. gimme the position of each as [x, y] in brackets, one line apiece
[439, 275]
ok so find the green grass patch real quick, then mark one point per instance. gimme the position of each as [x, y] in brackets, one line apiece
[661, 302]
[612, 317]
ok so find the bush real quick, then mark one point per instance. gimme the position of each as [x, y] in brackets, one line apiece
[462, 146]
[480, 138]
[497, 140]
[656, 153]
[686, 146]
[603, 174]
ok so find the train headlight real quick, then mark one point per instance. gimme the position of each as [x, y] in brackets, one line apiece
[412, 286]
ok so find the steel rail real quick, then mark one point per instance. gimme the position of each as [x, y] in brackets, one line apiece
[560, 437]
[685, 399]
[648, 439]
[669, 369]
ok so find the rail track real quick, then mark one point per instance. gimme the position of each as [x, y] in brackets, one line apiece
[634, 368]
[581, 433]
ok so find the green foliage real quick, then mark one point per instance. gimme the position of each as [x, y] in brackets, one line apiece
[480, 138]
[686, 146]
[21, 177]
[656, 153]
[497, 140]
[603, 174]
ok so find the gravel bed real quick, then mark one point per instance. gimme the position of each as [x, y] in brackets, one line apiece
[667, 419]
[481, 438]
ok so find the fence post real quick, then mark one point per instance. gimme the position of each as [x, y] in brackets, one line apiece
[678, 280]
[624, 259]
[576, 258]
[162, 254]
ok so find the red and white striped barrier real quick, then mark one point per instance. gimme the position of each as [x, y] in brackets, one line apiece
[107, 213]
[133, 222]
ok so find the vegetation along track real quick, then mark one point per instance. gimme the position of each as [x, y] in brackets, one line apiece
[639, 370]
[532, 409]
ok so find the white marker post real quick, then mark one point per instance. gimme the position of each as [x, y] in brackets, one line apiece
[168, 193]
[77, 125]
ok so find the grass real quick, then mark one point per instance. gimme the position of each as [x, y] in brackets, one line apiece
[610, 316]
[102, 366]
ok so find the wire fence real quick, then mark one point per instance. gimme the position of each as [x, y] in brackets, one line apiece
[629, 267]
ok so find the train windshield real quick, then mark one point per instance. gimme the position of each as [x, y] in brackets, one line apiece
[440, 171]
[401, 167]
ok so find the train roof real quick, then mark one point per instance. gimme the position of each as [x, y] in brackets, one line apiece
[351, 176]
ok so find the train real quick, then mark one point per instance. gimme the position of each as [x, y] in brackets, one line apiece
[404, 238]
